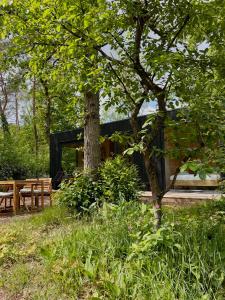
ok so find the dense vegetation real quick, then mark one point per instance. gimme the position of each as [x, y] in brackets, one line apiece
[17, 156]
[109, 256]
[116, 181]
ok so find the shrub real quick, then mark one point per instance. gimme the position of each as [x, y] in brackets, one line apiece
[12, 170]
[17, 157]
[116, 181]
[120, 181]
[10, 162]
[81, 194]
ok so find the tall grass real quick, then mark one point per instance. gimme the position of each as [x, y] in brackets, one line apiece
[117, 255]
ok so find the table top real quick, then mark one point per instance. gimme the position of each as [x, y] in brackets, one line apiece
[19, 182]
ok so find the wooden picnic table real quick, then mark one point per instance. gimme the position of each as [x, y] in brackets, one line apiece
[16, 186]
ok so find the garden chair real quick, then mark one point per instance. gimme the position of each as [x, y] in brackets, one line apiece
[36, 188]
[47, 187]
[5, 196]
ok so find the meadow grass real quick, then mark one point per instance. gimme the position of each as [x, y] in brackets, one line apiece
[116, 254]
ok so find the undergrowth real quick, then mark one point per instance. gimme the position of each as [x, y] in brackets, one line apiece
[115, 254]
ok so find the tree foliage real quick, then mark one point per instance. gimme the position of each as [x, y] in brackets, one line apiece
[168, 52]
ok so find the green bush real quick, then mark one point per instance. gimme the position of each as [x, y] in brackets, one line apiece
[12, 170]
[116, 181]
[81, 194]
[11, 165]
[120, 181]
[17, 156]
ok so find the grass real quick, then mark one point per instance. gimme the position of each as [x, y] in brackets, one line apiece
[115, 254]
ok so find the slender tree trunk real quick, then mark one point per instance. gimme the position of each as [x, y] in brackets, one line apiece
[149, 161]
[92, 155]
[36, 148]
[157, 193]
[3, 105]
[47, 110]
[4, 122]
[17, 111]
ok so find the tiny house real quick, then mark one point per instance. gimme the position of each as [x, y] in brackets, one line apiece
[66, 155]
[72, 142]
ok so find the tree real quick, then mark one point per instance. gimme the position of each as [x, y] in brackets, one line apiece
[134, 51]
[161, 52]
[55, 44]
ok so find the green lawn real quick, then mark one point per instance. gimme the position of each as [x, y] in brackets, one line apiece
[115, 254]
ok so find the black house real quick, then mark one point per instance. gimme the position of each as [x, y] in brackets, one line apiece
[74, 139]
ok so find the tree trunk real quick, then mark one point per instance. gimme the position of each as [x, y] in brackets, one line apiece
[92, 154]
[47, 110]
[157, 193]
[4, 122]
[149, 161]
[36, 148]
[17, 111]
[3, 106]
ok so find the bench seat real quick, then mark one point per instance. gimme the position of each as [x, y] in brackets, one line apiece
[191, 180]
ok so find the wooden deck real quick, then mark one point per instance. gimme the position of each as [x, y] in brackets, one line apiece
[184, 197]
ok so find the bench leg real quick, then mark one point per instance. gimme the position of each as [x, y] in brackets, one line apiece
[36, 201]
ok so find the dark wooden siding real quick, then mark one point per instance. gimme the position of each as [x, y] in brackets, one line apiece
[57, 140]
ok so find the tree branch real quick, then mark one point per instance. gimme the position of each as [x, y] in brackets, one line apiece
[138, 37]
[122, 83]
[187, 18]
[53, 44]
[146, 79]
[134, 119]
[122, 47]
[95, 47]
[167, 81]
[171, 186]
[110, 58]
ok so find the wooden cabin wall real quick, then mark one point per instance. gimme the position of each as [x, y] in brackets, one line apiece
[109, 149]
[186, 137]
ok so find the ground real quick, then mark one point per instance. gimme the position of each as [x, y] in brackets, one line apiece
[114, 254]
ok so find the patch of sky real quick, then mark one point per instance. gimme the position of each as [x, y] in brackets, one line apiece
[112, 114]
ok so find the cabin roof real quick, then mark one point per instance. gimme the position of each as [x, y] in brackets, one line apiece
[107, 129]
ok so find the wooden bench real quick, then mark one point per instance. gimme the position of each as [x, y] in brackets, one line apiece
[190, 180]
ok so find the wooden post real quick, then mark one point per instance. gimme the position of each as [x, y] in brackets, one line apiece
[15, 200]
[32, 196]
[42, 194]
